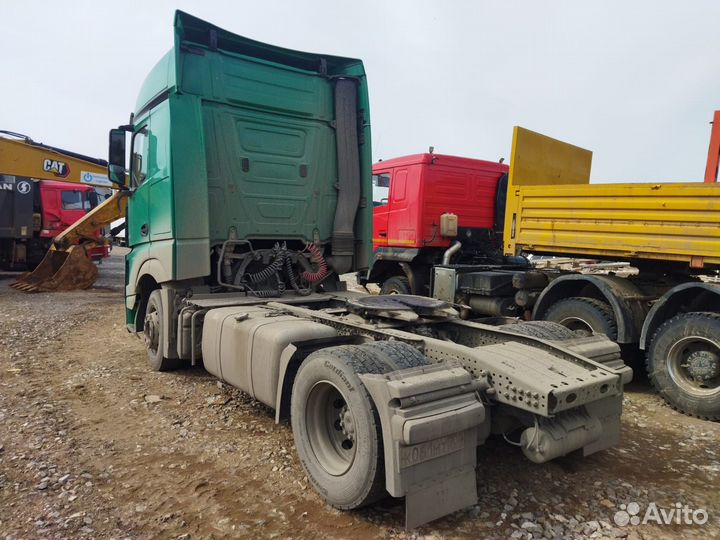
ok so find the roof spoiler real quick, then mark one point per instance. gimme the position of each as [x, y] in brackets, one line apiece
[194, 33]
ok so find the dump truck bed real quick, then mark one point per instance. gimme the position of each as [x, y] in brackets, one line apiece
[552, 208]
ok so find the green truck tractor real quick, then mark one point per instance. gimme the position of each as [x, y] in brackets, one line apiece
[249, 194]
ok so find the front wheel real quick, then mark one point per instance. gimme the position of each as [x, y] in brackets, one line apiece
[155, 334]
[683, 363]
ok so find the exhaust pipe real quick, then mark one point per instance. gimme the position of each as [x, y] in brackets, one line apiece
[452, 250]
[348, 161]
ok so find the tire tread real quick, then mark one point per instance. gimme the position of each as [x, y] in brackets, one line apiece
[399, 355]
[541, 329]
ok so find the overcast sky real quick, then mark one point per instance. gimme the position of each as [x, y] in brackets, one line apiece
[636, 82]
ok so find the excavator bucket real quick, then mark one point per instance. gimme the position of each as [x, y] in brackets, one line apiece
[60, 270]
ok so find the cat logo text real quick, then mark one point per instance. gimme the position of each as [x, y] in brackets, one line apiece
[57, 168]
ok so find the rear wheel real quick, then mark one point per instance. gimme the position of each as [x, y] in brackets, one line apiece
[336, 427]
[396, 285]
[584, 316]
[683, 363]
[335, 424]
[155, 333]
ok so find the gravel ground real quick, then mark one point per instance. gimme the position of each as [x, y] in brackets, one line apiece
[94, 445]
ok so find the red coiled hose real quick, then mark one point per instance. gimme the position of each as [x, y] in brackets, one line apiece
[317, 258]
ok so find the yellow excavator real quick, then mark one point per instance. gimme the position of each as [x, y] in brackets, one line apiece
[25, 165]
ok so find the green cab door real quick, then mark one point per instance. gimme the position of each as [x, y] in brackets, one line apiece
[151, 216]
[137, 218]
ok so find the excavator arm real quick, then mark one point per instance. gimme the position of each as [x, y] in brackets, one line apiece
[66, 265]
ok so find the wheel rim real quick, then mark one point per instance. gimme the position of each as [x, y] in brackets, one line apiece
[152, 328]
[331, 428]
[576, 324]
[694, 365]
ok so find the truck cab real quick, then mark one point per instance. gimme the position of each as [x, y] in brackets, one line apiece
[425, 203]
[61, 205]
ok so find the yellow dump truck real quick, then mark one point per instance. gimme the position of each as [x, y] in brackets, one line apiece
[669, 231]
[553, 208]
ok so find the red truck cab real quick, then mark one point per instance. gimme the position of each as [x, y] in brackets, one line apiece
[410, 196]
[61, 205]
[411, 193]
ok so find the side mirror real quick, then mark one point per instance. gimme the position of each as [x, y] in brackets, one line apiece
[116, 157]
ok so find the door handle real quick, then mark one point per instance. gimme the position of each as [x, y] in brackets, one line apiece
[382, 233]
[144, 229]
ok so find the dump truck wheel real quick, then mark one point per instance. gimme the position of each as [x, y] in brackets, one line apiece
[154, 334]
[683, 363]
[584, 316]
[396, 285]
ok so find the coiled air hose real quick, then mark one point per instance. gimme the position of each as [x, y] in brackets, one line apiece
[316, 257]
[270, 270]
[282, 261]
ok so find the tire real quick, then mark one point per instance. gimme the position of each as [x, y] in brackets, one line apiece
[345, 477]
[584, 315]
[399, 355]
[345, 466]
[683, 363]
[541, 329]
[396, 285]
[155, 334]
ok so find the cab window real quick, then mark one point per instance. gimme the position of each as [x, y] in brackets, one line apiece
[139, 157]
[381, 188]
[74, 200]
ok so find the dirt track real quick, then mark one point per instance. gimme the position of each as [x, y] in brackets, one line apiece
[94, 445]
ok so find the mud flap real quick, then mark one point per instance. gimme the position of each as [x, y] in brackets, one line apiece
[430, 417]
[60, 270]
